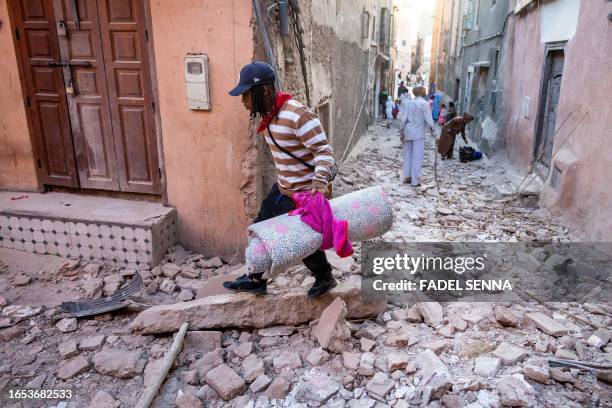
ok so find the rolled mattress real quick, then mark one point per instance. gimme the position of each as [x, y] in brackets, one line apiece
[281, 242]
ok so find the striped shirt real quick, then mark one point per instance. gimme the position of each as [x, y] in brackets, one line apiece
[298, 130]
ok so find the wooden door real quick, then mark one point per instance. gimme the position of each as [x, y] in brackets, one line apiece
[92, 103]
[548, 116]
[45, 88]
[87, 94]
[124, 41]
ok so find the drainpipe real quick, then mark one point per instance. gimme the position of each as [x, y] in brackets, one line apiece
[266, 42]
[283, 10]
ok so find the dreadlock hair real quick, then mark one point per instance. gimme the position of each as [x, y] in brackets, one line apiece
[259, 99]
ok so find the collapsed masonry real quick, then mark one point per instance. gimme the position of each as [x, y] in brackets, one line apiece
[335, 351]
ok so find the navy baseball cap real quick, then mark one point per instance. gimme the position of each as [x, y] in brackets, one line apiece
[252, 74]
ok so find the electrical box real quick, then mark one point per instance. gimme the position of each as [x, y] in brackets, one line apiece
[196, 78]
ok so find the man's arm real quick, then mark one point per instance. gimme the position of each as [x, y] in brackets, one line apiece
[463, 132]
[428, 117]
[311, 134]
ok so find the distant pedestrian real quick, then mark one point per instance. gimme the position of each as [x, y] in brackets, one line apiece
[451, 129]
[451, 112]
[396, 108]
[417, 118]
[401, 89]
[389, 105]
[382, 100]
[442, 115]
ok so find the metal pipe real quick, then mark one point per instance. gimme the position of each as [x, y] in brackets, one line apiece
[283, 10]
[266, 41]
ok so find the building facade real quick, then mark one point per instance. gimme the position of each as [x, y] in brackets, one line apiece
[99, 99]
[536, 77]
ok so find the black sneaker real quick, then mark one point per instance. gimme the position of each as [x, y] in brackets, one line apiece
[247, 284]
[322, 286]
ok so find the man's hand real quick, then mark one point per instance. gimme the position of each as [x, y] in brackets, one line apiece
[321, 190]
[401, 133]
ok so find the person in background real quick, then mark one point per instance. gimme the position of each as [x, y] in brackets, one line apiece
[442, 115]
[401, 89]
[389, 111]
[382, 100]
[396, 108]
[417, 118]
[449, 133]
[451, 112]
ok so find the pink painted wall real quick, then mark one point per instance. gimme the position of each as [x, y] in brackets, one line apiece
[204, 150]
[17, 169]
[584, 199]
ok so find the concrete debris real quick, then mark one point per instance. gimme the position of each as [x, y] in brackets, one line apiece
[67, 325]
[243, 349]
[209, 361]
[232, 310]
[332, 332]
[351, 361]
[21, 279]
[396, 361]
[225, 381]
[93, 288]
[18, 313]
[434, 373]
[367, 344]
[546, 324]
[202, 341]
[72, 368]
[287, 359]
[278, 388]
[487, 366]
[276, 331]
[537, 373]
[260, 384]
[168, 286]
[366, 364]
[12, 332]
[599, 339]
[317, 356]
[432, 313]
[92, 343]
[318, 389]
[515, 391]
[187, 400]
[505, 317]
[119, 363]
[380, 385]
[170, 270]
[252, 368]
[68, 349]
[103, 399]
[509, 353]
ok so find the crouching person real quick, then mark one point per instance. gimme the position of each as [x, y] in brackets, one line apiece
[303, 159]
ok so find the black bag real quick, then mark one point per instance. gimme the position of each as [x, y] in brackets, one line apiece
[334, 169]
[466, 154]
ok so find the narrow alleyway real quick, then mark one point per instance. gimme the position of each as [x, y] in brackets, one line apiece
[413, 355]
[471, 202]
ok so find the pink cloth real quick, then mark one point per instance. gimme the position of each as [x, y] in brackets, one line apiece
[315, 211]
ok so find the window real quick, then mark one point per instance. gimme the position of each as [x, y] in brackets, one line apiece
[365, 24]
[373, 27]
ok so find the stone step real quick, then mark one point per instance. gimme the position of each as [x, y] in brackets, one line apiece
[130, 234]
[292, 307]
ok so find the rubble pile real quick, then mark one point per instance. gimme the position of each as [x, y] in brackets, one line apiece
[410, 355]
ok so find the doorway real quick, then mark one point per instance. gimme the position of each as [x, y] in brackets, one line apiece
[86, 73]
[549, 100]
